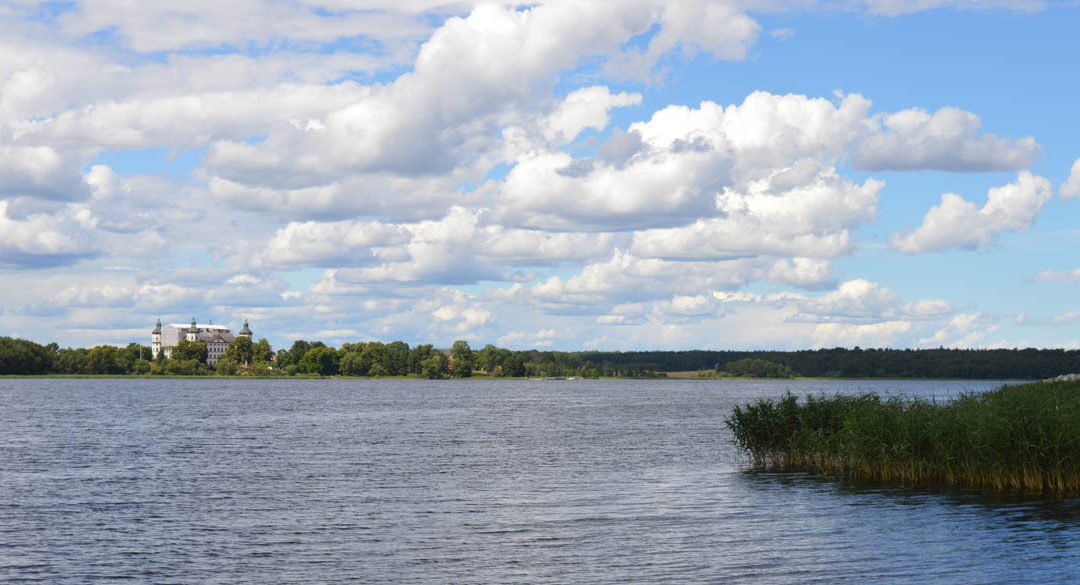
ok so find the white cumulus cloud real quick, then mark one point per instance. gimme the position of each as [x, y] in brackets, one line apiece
[330, 243]
[41, 172]
[947, 140]
[861, 300]
[958, 223]
[1070, 189]
[685, 159]
[353, 167]
[499, 62]
[810, 220]
[42, 240]
[964, 331]
[583, 109]
[865, 335]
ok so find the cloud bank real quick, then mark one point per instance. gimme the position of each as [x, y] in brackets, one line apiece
[428, 170]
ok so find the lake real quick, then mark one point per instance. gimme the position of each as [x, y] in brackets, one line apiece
[408, 481]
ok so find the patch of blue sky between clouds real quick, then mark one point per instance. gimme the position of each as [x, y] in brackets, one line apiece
[301, 280]
[179, 166]
[47, 12]
[497, 172]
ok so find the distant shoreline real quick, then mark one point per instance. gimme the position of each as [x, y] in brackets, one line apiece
[506, 378]
[247, 358]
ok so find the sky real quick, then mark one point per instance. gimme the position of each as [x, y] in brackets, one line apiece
[563, 174]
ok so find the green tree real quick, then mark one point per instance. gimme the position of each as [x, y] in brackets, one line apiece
[487, 359]
[141, 367]
[299, 348]
[241, 351]
[131, 354]
[417, 355]
[319, 360]
[190, 350]
[435, 366]
[226, 365]
[72, 361]
[758, 368]
[351, 364]
[185, 367]
[105, 359]
[262, 353]
[293, 355]
[352, 347]
[461, 359]
[513, 365]
[20, 356]
[397, 358]
[374, 354]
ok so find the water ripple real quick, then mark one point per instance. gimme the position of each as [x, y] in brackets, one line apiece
[305, 481]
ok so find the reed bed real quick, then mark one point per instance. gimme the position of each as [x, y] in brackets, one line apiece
[1016, 438]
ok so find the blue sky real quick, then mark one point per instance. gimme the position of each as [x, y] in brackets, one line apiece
[613, 175]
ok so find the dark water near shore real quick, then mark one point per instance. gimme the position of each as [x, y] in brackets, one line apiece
[309, 481]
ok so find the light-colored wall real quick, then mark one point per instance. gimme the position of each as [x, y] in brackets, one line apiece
[174, 333]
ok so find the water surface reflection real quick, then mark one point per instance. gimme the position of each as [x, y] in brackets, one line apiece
[332, 481]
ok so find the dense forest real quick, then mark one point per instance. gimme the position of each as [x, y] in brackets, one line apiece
[247, 357]
[1012, 364]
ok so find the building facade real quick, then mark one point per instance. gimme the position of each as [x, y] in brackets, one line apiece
[216, 337]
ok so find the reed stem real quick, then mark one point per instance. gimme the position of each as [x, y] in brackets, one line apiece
[1016, 438]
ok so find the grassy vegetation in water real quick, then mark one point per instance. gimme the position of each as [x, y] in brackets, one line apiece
[1024, 438]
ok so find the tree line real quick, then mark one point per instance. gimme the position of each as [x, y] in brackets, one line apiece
[986, 364]
[375, 358]
[245, 357]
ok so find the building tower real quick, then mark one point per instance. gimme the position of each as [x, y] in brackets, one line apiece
[193, 331]
[155, 340]
[246, 331]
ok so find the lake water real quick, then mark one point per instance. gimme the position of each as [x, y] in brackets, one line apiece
[335, 481]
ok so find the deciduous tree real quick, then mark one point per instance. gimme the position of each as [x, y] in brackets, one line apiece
[190, 350]
[262, 353]
[320, 360]
[241, 351]
[461, 359]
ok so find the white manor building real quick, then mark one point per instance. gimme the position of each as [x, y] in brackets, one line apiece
[216, 337]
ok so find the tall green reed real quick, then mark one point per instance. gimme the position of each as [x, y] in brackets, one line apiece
[1024, 438]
